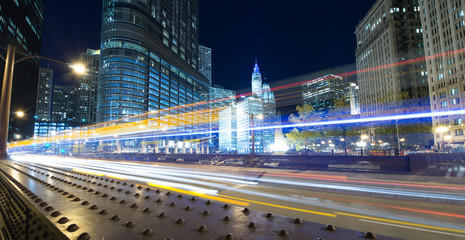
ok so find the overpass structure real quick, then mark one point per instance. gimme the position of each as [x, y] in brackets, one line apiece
[45, 202]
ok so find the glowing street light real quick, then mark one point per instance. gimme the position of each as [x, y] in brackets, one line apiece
[5, 99]
[78, 68]
[364, 137]
[20, 114]
[442, 130]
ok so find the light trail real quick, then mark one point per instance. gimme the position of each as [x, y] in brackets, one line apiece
[304, 124]
[235, 193]
[199, 194]
[94, 134]
[330, 178]
[395, 207]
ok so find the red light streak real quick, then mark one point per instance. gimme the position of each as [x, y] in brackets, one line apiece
[396, 207]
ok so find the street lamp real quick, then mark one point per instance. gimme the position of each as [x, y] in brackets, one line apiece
[402, 140]
[441, 130]
[20, 114]
[5, 99]
[78, 68]
[364, 137]
[447, 138]
[252, 117]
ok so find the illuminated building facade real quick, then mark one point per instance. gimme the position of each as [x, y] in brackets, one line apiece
[205, 62]
[391, 33]
[256, 81]
[322, 92]
[353, 98]
[44, 95]
[249, 114]
[149, 59]
[444, 32]
[86, 98]
[64, 104]
[220, 99]
[227, 130]
[21, 25]
[236, 122]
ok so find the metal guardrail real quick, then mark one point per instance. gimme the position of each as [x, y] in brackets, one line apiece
[384, 164]
[74, 205]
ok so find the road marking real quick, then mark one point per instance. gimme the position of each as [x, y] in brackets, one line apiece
[414, 228]
[88, 172]
[401, 222]
[280, 206]
[198, 194]
[115, 177]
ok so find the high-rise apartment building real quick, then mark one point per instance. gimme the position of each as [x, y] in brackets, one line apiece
[443, 24]
[21, 25]
[205, 62]
[44, 95]
[86, 98]
[149, 60]
[389, 35]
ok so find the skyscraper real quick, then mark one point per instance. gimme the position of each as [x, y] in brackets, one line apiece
[220, 99]
[149, 58]
[443, 24]
[237, 123]
[86, 111]
[205, 62]
[391, 33]
[21, 25]
[64, 104]
[256, 81]
[44, 95]
[322, 92]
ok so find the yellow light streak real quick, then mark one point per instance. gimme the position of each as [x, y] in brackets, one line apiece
[115, 177]
[199, 194]
[281, 206]
[88, 172]
[401, 222]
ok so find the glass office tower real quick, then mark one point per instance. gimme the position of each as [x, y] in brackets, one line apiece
[149, 54]
[21, 24]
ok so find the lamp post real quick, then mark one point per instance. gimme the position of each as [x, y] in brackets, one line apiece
[441, 130]
[5, 100]
[397, 131]
[252, 117]
[447, 138]
[364, 137]
[402, 140]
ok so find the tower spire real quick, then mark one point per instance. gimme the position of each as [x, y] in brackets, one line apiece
[256, 69]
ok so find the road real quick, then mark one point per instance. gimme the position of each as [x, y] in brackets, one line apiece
[405, 207]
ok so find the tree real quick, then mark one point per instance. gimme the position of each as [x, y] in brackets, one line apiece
[302, 136]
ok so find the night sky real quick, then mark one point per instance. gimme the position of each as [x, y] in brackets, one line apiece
[290, 39]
